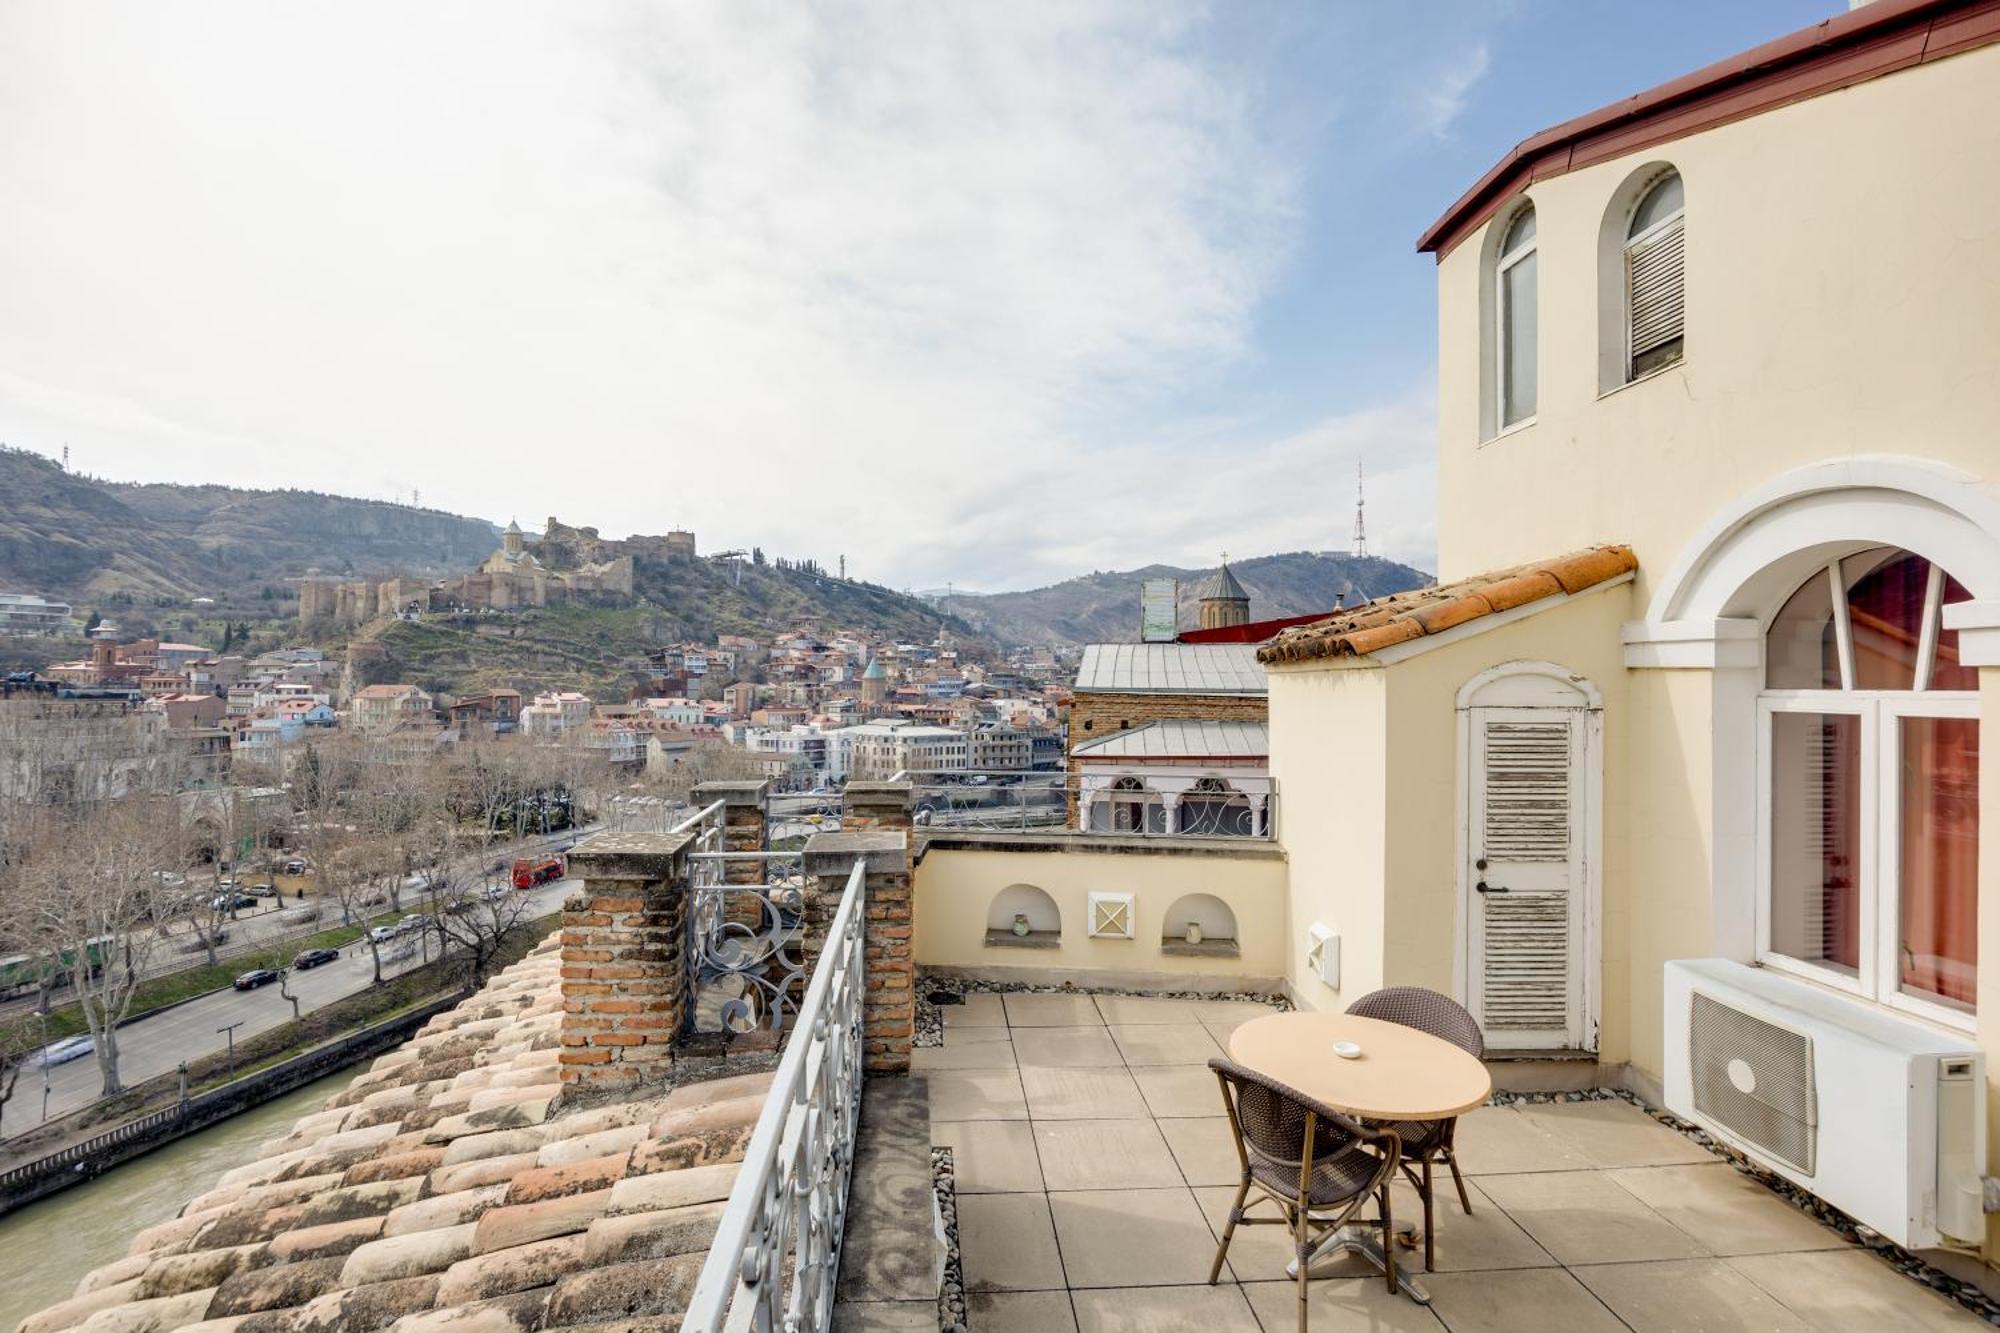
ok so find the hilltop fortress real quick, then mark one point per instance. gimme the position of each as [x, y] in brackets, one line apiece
[567, 565]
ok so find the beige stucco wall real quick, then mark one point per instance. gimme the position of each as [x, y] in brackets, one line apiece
[1329, 766]
[955, 888]
[1843, 267]
[1366, 759]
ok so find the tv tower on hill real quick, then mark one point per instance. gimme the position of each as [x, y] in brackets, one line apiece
[1360, 551]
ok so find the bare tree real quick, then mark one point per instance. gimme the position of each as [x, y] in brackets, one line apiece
[94, 899]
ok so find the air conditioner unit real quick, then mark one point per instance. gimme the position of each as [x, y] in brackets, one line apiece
[1880, 1116]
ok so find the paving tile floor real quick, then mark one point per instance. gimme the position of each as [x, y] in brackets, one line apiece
[1095, 1170]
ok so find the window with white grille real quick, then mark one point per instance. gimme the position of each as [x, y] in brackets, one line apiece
[1655, 278]
[1516, 335]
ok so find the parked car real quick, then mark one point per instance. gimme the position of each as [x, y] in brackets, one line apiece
[295, 866]
[264, 890]
[229, 902]
[494, 892]
[66, 1050]
[314, 957]
[383, 934]
[251, 980]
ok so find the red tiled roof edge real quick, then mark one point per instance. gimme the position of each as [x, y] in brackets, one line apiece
[1406, 616]
[1838, 52]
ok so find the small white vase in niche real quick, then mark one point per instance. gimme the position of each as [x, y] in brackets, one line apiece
[1194, 932]
[1021, 926]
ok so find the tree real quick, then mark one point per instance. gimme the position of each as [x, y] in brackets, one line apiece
[90, 877]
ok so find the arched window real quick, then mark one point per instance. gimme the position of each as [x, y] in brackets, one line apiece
[1515, 323]
[1870, 762]
[1655, 289]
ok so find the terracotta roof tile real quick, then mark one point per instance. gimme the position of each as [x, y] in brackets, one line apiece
[1408, 616]
[437, 1191]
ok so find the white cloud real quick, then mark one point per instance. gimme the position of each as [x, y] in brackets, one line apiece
[1442, 97]
[834, 279]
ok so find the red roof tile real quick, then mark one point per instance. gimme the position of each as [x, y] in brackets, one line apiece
[1408, 616]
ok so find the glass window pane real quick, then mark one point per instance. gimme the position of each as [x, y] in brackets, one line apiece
[1816, 838]
[1519, 232]
[1661, 202]
[1885, 607]
[1517, 328]
[1938, 943]
[1947, 673]
[1800, 651]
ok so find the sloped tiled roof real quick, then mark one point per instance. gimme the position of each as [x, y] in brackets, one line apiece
[437, 1192]
[1405, 616]
[1170, 668]
[1181, 738]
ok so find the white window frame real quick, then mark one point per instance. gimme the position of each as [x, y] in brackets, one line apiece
[1879, 860]
[1507, 260]
[1675, 218]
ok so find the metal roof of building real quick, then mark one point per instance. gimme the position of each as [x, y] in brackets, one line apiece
[1182, 738]
[1171, 668]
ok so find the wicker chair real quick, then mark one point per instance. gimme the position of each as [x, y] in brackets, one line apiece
[1318, 1166]
[1427, 1141]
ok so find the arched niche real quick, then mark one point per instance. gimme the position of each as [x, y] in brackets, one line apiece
[1043, 916]
[1216, 920]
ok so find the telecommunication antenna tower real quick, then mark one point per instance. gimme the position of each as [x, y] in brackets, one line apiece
[1360, 516]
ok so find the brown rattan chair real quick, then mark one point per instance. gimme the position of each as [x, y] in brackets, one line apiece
[1318, 1166]
[1427, 1141]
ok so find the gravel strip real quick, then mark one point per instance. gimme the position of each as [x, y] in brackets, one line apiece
[951, 1296]
[935, 991]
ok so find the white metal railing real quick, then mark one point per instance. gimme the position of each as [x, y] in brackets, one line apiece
[1039, 801]
[706, 825]
[775, 1258]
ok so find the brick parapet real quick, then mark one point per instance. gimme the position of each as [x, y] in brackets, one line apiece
[745, 824]
[624, 946]
[889, 1002]
[876, 805]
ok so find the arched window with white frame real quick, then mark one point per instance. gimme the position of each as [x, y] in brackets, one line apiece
[1515, 321]
[1869, 763]
[1655, 278]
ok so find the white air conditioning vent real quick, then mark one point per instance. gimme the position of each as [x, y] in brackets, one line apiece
[1755, 1079]
[1881, 1116]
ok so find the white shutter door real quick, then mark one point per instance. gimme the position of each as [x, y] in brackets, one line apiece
[1654, 288]
[1526, 841]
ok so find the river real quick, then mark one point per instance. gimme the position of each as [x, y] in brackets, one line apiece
[47, 1246]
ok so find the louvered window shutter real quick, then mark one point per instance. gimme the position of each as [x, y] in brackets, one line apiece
[1526, 960]
[1655, 289]
[1527, 791]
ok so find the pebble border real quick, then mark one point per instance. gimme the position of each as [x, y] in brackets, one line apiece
[951, 1294]
[1966, 1295]
[930, 1022]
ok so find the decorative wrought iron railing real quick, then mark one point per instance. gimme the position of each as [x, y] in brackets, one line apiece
[745, 971]
[775, 1258]
[1041, 802]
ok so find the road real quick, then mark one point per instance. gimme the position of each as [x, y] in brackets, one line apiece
[179, 950]
[156, 1045]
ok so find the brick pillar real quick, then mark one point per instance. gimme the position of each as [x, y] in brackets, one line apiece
[624, 951]
[891, 1001]
[745, 823]
[876, 805]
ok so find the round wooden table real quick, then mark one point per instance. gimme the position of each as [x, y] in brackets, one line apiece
[1400, 1074]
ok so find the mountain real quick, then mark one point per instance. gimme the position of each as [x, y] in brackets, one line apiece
[83, 539]
[1104, 607]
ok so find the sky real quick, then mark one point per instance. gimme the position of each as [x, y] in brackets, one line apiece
[971, 293]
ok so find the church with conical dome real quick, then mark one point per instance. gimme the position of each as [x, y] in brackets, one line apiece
[1225, 603]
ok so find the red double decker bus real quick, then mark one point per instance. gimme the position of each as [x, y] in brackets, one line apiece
[530, 871]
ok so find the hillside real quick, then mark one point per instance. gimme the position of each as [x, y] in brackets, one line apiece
[601, 650]
[1104, 607]
[82, 539]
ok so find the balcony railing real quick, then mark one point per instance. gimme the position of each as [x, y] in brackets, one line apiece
[1016, 802]
[776, 1254]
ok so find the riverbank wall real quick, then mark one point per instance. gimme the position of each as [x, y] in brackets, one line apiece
[92, 1157]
